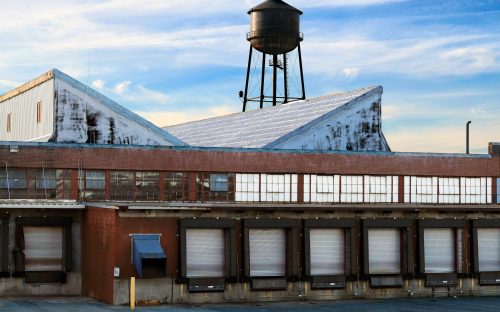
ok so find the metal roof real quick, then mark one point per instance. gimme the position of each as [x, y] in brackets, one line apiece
[273, 4]
[261, 128]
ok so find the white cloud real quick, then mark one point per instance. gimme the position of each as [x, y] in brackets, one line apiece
[167, 118]
[350, 72]
[122, 87]
[98, 84]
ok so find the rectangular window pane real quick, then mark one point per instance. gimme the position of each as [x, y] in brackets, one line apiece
[218, 183]
[439, 250]
[327, 251]
[216, 187]
[147, 185]
[63, 188]
[176, 186]
[42, 184]
[384, 251]
[95, 184]
[122, 185]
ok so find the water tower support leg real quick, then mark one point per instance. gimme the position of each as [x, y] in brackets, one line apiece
[284, 79]
[245, 99]
[262, 80]
[275, 67]
[301, 74]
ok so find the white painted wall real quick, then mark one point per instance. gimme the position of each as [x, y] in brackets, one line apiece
[24, 114]
[351, 129]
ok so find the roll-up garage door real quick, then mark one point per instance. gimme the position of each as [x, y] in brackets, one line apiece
[267, 252]
[205, 253]
[43, 248]
[327, 251]
[488, 241]
[439, 250]
[384, 251]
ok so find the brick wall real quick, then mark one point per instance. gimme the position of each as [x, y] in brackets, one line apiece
[98, 250]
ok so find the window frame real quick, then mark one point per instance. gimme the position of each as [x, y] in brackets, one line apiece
[204, 191]
[177, 194]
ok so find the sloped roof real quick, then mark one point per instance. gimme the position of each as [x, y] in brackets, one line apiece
[273, 4]
[261, 128]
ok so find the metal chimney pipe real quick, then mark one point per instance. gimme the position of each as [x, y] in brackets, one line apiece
[467, 137]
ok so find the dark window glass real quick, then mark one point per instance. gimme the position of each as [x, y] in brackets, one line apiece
[122, 185]
[217, 187]
[42, 184]
[63, 188]
[15, 184]
[95, 184]
[147, 185]
[176, 186]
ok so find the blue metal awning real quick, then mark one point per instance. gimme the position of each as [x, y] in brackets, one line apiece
[146, 246]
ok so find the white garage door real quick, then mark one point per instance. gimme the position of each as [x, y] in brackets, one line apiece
[384, 251]
[488, 241]
[43, 248]
[205, 253]
[327, 251]
[439, 250]
[267, 252]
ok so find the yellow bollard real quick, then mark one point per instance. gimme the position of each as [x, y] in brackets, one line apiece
[132, 293]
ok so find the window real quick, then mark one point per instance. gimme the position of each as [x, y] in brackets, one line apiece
[215, 186]
[9, 122]
[475, 190]
[95, 184]
[13, 183]
[381, 189]
[122, 185]
[39, 112]
[351, 189]
[422, 190]
[278, 187]
[176, 187]
[321, 189]
[247, 187]
[63, 187]
[208, 253]
[147, 185]
[42, 184]
[449, 190]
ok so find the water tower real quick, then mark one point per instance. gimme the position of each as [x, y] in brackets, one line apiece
[274, 33]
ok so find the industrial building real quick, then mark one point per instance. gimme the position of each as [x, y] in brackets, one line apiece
[300, 199]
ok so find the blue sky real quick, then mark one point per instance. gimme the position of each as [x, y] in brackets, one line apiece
[179, 60]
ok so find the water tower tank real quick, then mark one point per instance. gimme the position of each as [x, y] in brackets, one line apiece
[274, 27]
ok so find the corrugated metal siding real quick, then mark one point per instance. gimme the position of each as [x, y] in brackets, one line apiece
[204, 252]
[267, 252]
[488, 241]
[24, 114]
[439, 250]
[327, 251]
[384, 251]
[43, 248]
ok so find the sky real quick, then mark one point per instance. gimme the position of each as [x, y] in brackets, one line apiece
[181, 60]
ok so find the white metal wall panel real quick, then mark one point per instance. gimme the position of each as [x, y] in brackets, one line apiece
[267, 252]
[384, 251]
[488, 241]
[439, 250]
[43, 248]
[327, 251]
[205, 253]
[24, 114]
